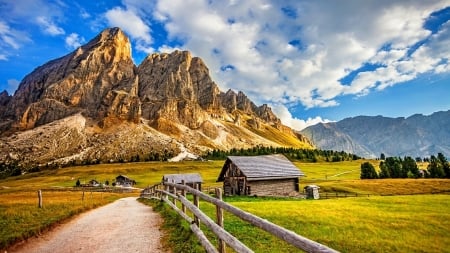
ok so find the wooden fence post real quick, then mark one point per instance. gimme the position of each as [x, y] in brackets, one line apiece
[40, 199]
[183, 193]
[219, 219]
[174, 200]
[197, 204]
[166, 188]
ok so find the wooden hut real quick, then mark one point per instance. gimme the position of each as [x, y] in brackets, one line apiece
[125, 181]
[189, 178]
[266, 175]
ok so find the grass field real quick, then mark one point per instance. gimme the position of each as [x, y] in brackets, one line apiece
[343, 224]
[374, 224]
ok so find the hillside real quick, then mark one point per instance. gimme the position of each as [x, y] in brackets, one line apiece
[95, 105]
[417, 136]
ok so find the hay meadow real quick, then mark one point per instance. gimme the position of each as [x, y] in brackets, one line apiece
[414, 218]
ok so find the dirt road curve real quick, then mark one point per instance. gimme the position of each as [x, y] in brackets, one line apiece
[123, 226]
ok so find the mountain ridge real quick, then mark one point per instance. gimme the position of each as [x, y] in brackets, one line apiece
[368, 136]
[95, 99]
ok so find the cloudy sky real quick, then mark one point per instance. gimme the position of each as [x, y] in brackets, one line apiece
[311, 61]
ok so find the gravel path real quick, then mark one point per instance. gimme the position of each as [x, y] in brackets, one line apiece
[122, 226]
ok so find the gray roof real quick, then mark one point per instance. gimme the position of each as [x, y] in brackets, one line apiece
[188, 178]
[263, 167]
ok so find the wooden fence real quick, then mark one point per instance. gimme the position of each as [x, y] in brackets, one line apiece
[334, 195]
[177, 192]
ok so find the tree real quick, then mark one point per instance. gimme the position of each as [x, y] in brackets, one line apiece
[384, 170]
[78, 183]
[368, 171]
[382, 157]
[409, 166]
[394, 166]
[435, 168]
[444, 164]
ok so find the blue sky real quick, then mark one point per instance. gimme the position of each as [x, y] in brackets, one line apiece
[312, 61]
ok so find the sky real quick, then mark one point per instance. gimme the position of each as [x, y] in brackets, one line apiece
[311, 61]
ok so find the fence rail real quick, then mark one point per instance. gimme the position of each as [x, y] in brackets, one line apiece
[177, 192]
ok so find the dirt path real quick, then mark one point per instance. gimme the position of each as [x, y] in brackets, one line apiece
[123, 226]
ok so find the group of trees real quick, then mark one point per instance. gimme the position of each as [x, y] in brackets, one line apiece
[396, 167]
[9, 170]
[309, 155]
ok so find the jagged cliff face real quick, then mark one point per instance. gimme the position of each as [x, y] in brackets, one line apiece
[168, 102]
[97, 79]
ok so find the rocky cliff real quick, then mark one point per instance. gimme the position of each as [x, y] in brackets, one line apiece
[366, 136]
[94, 104]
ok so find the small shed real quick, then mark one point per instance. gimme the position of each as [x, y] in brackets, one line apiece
[125, 181]
[94, 183]
[266, 175]
[312, 191]
[189, 178]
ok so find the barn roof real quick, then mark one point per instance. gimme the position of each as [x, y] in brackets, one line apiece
[262, 167]
[188, 178]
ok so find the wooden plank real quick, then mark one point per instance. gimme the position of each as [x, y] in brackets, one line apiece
[197, 204]
[209, 247]
[203, 239]
[183, 193]
[219, 219]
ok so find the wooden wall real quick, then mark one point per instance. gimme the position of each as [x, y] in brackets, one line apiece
[280, 187]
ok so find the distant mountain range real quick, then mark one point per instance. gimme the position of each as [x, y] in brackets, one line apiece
[369, 136]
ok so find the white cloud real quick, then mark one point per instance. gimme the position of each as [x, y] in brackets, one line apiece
[84, 14]
[74, 41]
[10, 39]
[303, 55]
[48, 26]
[13, 84]
[298, 124]
[133, 25]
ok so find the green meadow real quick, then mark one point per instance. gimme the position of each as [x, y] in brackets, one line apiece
[406, 223]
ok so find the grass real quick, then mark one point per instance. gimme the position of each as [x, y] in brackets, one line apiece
[375, 224]
[349, 225]
[144, 173]
[20, 217]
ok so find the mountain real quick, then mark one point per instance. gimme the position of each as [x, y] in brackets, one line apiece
[416, 136]
[95, 104]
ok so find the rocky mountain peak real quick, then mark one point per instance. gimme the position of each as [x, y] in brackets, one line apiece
[112, 43]
[87, 80]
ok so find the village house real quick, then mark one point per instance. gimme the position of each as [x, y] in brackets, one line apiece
[124, 181]
[94, 183]
[189, 178]
[266, 175]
